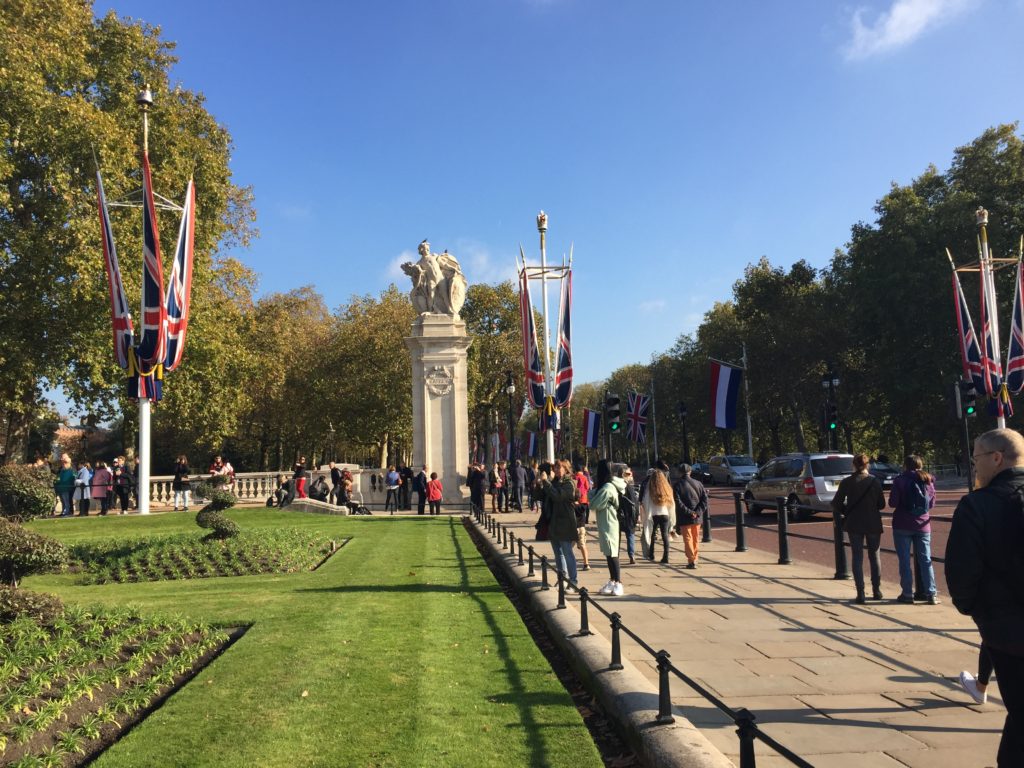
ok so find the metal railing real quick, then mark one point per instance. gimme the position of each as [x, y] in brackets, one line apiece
[746, 728]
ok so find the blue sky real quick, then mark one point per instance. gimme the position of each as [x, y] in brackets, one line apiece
[672, 142]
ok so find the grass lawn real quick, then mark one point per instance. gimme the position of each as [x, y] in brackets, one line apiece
[401, 650]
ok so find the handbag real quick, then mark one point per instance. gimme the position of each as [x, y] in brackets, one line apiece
[543, 531]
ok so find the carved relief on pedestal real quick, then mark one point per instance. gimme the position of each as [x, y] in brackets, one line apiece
[439, 380]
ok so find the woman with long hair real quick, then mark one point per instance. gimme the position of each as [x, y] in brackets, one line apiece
[299, 475]
[559, 491]
[911, 497]
[181, 484]
[604, 503]
[659, 503]
[859, 501]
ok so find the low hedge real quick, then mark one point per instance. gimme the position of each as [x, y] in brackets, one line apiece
[25, 491]
[41, 606]
[24, 552]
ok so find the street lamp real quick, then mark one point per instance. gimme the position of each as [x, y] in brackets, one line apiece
[510, 390]
[330, 432]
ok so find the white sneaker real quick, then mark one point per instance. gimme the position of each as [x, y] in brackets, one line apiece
[970, 684]
[617, 589]
[606, 589]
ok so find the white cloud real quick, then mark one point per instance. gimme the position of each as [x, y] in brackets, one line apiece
[480, 265]
[901, 25]
[394, 271]
[651, 306]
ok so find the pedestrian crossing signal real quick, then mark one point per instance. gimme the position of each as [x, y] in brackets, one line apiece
[613, 412]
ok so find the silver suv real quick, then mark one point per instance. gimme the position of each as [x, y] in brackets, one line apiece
[731, 470]
[803, 479]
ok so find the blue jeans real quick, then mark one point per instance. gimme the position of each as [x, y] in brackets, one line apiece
[922, 543]
[565, 559]
[630, 541]
[67, 506]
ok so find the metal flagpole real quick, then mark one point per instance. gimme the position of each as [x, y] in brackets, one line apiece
[549, 433]
[988, 286]
[144, 100]
[746, 402]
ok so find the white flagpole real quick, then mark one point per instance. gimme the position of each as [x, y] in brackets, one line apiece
[988, 286]
[549, 433]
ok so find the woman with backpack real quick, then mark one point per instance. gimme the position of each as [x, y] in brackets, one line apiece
[912, 497]
[604, 503]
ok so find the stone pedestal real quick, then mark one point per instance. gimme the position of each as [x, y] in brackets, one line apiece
[440, 418]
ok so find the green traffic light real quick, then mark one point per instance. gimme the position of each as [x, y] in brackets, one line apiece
[832, 425]
[970, 410]
[614, 426]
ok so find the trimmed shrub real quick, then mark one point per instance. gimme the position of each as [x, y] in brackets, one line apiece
[41, 606]
[210, 516]
[25, 491]
[24, 552]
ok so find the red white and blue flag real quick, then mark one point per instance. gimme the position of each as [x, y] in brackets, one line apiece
[970, 352]
[636, 416]
[179, 286]
[533, 373]
[120, 315]
[153, 342]
[591, 428]
[531, 443]
[1015, 356]
[725, 389]
[563, 373]
[991, 376]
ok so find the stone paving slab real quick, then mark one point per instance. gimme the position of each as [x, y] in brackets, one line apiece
[840, 684]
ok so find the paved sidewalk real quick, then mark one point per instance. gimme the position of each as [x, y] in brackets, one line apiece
[838, 683]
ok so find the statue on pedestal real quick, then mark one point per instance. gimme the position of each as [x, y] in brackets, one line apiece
[438, 285]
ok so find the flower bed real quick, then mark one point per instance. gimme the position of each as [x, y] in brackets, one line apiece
[70, 684]
[185, 556]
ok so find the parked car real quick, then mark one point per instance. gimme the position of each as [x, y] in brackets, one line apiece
[885, 473]
[732, 470]
[701, 471]
[805, 480]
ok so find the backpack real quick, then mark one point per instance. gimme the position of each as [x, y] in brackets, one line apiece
[918, 501]
[627, 510]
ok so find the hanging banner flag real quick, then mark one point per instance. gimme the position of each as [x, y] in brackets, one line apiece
[991, 376]
[532, 371]
[531, 443]
[179, 286]
[563, 373]
[725, 389]
[591, 428]
[970, 353]
[550, 418]
[120, 315]
[153, 342]
[1015, 357]
[636, 416]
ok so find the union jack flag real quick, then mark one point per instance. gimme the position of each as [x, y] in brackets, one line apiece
[153, 343]
[179, 286]
[1015, 358]
[120, 314]
[991, 374]
[970, 352]
[636, 416]
[532, 371]
[563, 374]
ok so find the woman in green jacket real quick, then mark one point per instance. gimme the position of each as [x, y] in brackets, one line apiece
[65, 485]
[604, 503]
[560, 493]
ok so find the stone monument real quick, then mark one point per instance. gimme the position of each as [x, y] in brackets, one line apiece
[438, 344]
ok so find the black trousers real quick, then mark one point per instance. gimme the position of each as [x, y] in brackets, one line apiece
[857, 545]
[122, 496]
[1010, 672]
[421, 502]
[660, 524]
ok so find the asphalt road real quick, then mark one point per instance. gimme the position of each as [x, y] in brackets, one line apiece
[811, 541]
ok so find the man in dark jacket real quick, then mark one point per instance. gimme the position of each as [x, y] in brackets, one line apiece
[985, 571]
[518, 480]
[476, 479]
[859, 502]
[691, 506]
[419, 484]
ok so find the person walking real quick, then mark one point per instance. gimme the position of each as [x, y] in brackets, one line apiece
[559, 491]
[419, 484]
[977, 687]
[691, 500]
[336, 476]
[434, 493]
[83, 488]
[392, 481]
[658, 502]
[859, 502]
[476, 479]
[122, 483]
[911, 497]
[582, 480]
[102, 486]
[503, 489]
[299, 475]
[629, 512]
[64, 486]
[985, 571]
[181, 485]
[494, 487]
[604, 502]
[517, 479]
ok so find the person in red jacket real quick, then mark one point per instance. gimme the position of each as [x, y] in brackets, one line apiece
[434, 491]
[582, 480]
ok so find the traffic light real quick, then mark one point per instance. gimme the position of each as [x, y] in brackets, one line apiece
[613, 412]
[833, 416]
[968, 398]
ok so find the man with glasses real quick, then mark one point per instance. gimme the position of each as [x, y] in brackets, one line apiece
[985, 570]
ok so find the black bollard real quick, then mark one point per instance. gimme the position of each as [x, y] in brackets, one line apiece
[741, 533]
[520, 543]
[616, 643]
[706, 527]
[529, 571]
[664, 692]
[584, 619]
[745, 729]
[544, 573]
[783, 515]
[842, 570]
[561, 590]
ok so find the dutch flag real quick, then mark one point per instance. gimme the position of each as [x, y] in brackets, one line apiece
[591, 428]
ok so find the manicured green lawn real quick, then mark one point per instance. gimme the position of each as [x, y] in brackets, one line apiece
[399, 651]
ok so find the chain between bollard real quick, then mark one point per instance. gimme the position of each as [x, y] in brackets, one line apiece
[664, 692]
[584, 618]
[741, 533]
[783, 516]
[746, 729]
[842, 571]
[616, 642]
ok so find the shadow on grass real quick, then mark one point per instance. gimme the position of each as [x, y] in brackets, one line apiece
[417, 588]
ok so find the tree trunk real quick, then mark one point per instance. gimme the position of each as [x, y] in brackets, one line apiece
[798, 427]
